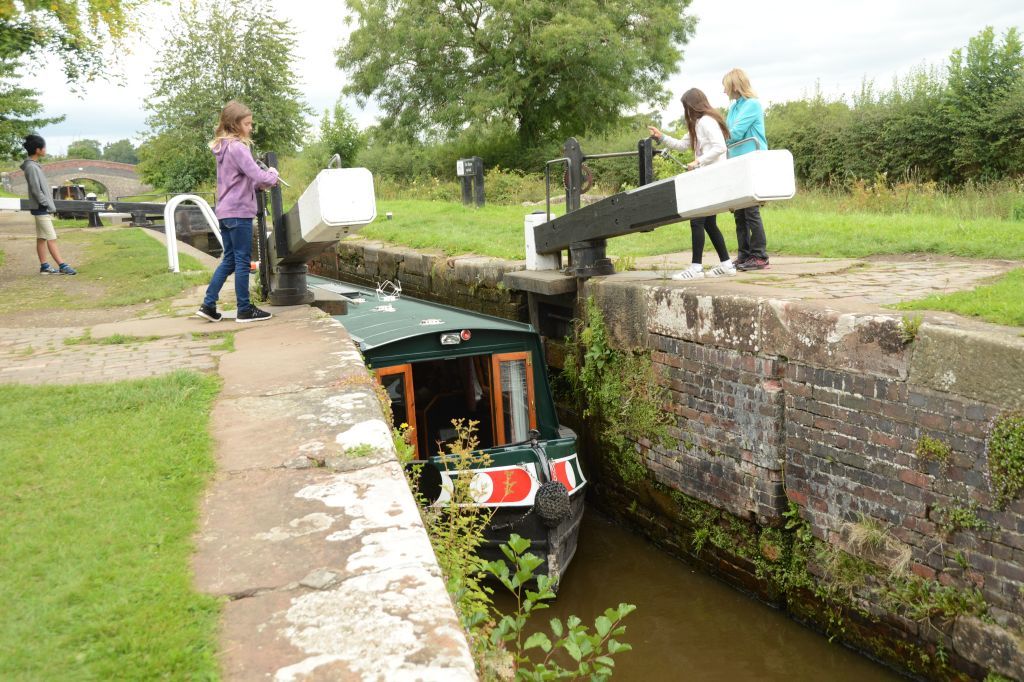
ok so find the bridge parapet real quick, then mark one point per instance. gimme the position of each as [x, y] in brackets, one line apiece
[120, 179]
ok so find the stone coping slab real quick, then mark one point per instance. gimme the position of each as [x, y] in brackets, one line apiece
[309, 526]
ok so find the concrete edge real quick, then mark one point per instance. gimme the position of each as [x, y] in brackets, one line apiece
[982, 365]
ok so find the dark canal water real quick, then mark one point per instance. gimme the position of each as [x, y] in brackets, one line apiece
[689, 626]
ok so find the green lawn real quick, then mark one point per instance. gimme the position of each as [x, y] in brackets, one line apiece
[124, 266]
[101, 485]
[1001, 302]
[498, 231]
[455, 229]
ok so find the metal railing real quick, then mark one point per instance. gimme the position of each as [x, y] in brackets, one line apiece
[171, 231]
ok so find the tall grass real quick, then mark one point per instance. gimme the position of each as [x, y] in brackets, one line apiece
[1003, 200]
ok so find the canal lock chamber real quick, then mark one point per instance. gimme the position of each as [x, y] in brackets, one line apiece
[822, 462]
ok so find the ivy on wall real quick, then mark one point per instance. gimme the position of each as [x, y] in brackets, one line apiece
[1006, 457]
[618, 390]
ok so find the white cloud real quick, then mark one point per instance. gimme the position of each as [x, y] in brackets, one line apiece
[785, 47]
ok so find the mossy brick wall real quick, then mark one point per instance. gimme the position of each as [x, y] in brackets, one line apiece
[852, 446]
[840, 403]
[470, 282]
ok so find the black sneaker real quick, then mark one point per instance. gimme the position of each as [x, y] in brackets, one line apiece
[252, 314]
[47, 269]
[753, 264]
[209, 312]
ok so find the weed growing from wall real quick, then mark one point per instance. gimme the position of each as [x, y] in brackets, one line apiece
[589, 651]
[909, 327]
[1006, 457]
[933, 450]
[952, 518]
[841, 581]
[926, 601]
[871, 539]
[619, 391]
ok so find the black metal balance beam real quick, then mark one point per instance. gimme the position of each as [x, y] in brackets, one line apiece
[71, 206]
[639, 210]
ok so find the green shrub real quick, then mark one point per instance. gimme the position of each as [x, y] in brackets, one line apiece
[514, 187]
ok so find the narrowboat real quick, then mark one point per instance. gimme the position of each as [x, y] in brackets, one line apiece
[437, 364]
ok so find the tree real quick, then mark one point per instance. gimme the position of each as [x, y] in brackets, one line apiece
[121, 151]
[338, 135]
[981, 76]
[84, 149]
[19, 112]
[75, 30]
[547, 69]
[220, 50]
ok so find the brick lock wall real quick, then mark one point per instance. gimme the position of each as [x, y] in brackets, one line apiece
[778, 400]
[731, 447]
[851, 443]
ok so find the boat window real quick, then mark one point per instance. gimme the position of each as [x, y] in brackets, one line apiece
[456, 388]
[397, 381]
[513, 399]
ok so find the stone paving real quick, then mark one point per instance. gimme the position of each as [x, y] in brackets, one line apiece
[874, 281]
[44, 356]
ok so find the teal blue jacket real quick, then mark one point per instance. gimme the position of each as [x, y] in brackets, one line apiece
[745, 119]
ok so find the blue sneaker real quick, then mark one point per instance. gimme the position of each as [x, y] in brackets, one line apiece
[47, 269]
[66, 269]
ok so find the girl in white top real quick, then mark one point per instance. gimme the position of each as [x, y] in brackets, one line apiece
[707, 127]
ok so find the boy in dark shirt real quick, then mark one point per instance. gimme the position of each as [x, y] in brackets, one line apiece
[41, 206]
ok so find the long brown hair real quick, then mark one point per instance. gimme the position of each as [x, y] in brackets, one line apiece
[230, 125]
[695, 106]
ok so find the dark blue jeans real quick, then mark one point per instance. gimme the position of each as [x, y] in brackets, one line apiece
[750, 233]
[237, 236]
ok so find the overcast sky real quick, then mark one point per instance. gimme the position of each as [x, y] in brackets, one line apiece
[786, 47]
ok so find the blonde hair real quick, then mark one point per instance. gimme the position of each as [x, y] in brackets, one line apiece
[737, 84]
[230, 125]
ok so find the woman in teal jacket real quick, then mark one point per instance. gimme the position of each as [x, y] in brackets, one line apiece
[745, 121]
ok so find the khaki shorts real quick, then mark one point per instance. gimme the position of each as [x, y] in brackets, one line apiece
[44, 227]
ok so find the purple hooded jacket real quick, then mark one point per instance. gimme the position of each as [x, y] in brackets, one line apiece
[238, 178]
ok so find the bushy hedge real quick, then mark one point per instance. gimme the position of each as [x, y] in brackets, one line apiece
[964, 123]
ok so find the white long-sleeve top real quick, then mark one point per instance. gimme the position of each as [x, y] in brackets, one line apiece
[710, 142]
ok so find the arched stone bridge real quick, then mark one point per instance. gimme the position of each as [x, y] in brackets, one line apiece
[120, 179]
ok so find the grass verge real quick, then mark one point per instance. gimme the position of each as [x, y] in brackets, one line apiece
[1000, 302]
[101, 484]
[117, 268]
[498, 231]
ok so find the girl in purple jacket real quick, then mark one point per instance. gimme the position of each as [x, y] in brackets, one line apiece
[238, 179]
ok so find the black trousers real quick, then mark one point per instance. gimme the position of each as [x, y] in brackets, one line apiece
[709, 224]
[750, 233]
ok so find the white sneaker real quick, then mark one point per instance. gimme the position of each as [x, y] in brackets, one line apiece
[695, 271]
[723, 269]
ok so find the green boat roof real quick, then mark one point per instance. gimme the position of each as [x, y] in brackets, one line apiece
[375, 322]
